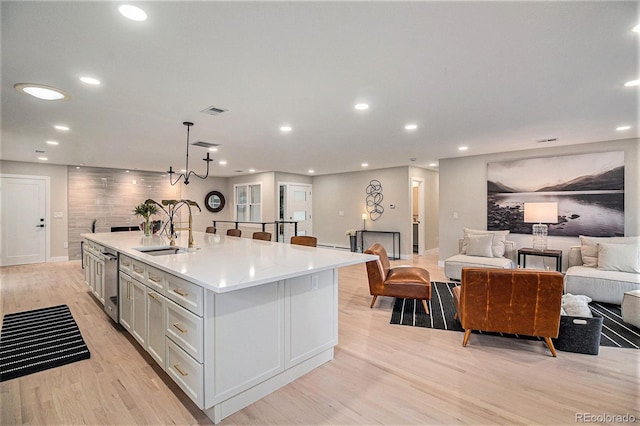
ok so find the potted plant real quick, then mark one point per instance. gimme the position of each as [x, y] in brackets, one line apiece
[146, 210]
[352, 234]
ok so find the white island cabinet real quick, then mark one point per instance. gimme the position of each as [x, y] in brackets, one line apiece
[233, 319]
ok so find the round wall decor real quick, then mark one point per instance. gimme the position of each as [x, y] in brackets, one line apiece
[214, 201]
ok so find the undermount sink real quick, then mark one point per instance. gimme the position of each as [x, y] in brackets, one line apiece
[160, 250]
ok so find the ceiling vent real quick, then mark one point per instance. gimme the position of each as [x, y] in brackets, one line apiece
[547, 140]
[205, 144]
[213, 110]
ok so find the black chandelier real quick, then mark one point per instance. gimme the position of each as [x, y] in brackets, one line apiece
[187, 174]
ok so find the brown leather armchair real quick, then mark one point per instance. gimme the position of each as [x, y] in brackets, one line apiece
[409, 282]
[516, 301]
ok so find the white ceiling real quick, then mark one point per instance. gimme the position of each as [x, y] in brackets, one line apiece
[495, 76]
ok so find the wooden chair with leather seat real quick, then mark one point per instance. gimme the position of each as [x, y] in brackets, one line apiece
[409, 282]
[234, 232]
[304, 240]
[515, 301]
[264, 236]
[210, 230]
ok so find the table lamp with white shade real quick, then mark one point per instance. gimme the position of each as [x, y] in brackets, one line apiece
[540, 214]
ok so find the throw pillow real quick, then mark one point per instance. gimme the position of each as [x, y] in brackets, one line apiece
[619, 257]
[589, 247]
[497, 246]
[576, 305]
[480, 245]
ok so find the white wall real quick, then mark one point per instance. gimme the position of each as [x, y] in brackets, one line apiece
[339, 202]
[463, 190]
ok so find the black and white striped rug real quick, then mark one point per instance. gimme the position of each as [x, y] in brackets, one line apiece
[615, 332]
[37, 340]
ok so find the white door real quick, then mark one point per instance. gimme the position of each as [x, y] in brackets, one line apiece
[23, 214]
[299, 206]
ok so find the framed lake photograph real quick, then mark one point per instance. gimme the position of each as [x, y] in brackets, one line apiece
[588, 190]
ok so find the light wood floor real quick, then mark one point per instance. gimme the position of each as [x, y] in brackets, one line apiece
[381, 374]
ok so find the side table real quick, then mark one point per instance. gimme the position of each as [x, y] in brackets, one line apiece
[524, 252]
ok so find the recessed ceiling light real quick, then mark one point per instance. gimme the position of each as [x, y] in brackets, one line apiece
[463, 148]
[52, 143]
[42, 158]
[213, 149]
[285, 128]
[411, 127]
[252, 170]
[621, 128]
[61, 127]
[365, 164]
[132, 12]
[77, 167]
[311, 171]
[222, 162]
[632, 83]
[433, 164]
[41, 91]
[90, 80]
[637, 28]
[361, 107]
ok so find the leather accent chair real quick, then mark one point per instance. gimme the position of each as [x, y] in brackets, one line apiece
[264, 236]
[304, 240]
[518, 301]
[409, 282]
[234, 232]
[210, 230]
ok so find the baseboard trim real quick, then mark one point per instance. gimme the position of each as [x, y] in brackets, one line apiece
[58, 259]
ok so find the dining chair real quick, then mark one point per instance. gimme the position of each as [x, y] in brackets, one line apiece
[234, 232]
[304, 240]
[265, 236]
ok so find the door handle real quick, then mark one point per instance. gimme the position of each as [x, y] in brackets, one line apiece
[40, 226]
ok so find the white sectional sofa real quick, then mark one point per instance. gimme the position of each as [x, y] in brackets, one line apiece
[604, 268]
[478, 250]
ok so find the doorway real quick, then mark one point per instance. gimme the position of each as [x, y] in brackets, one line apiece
[24, 233]
[295, 205]
[417, 215]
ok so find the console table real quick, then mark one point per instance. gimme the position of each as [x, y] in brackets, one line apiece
[524, 252]
[394, 234]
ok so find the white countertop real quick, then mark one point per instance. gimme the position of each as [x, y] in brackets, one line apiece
[222, 264]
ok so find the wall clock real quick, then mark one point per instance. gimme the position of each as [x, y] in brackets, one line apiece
[214, 201]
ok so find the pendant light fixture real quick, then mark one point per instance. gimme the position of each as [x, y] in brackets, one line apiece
[187, 174]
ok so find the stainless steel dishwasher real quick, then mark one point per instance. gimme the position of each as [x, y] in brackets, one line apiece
[111, 292]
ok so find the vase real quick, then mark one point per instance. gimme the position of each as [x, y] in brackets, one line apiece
[353, 242]
[147, 228]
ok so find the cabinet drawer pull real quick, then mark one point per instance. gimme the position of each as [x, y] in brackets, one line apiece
[153, 296]
[183, 373]
[137, 270]
[179, 327]
[181, 292]
[125, 264]
[155, 279]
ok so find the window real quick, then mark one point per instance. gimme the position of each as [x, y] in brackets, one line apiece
[248, 202]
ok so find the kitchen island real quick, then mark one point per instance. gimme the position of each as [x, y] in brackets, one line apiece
[231, 320]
